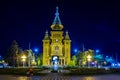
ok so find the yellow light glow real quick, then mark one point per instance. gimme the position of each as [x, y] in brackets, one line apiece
[89, 59]
[3, 61]
[23, 57]
[89, 78]
[89, 56]
[84, 63]
[95, 61]
[24, 60]
[33, 60]
[104, 62]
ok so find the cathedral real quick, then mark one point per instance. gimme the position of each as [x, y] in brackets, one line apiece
[56, 44]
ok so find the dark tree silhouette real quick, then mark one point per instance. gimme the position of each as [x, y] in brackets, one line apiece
[13, 54]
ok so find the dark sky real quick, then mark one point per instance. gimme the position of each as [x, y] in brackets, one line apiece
[96, 24]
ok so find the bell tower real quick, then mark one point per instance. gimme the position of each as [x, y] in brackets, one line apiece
[56, 45]
[46, 48]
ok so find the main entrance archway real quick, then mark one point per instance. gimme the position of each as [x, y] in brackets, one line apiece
[55, 61]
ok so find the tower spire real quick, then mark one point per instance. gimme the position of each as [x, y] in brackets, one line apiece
[57, 18]
[57, 25]
[67, 36]
[46, 37]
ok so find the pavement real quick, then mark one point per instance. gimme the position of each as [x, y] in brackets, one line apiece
[12, 77]
[59, 71]
[56, 76]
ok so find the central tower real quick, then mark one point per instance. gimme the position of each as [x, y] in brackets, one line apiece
[56, 47]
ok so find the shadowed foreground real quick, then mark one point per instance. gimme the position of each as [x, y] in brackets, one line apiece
[55, 76]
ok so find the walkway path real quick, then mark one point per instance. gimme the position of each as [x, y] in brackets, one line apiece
[55, 76]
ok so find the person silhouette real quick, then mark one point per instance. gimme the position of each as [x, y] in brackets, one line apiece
[30, 74]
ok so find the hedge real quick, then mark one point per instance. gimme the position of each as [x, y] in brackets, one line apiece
[20, 71]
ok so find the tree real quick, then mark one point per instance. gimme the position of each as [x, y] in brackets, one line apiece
[71, 63]
[40, 59]
[98, 57]
[30, 57]
[13, 54]
[109, 60]
[20, 52]
[74, 58]
[82, 57]
[89, 52]
[79, 57]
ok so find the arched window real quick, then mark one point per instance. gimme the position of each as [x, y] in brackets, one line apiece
[56, 48]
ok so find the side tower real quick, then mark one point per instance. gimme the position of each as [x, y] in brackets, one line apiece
[67, 47]
[46, 49]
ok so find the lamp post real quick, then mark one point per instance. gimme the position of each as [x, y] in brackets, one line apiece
[23, 60]
[96, 64]
[36, 52]
[36, 55]
[89, 57]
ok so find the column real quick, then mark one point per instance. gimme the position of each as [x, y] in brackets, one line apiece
[64, 62]
[60, 61]
[50, 62]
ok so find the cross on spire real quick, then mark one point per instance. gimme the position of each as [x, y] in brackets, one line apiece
[57, 18]
[57, 23]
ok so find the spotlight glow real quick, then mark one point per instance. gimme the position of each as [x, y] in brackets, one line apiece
[75, 50]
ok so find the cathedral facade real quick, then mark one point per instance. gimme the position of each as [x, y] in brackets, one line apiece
[56, 44]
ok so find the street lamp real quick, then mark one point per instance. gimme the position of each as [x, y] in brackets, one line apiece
[97, 51]
[96, 63]
[36, 50]
[23, 59]
[36, 55]
[75, 50]
[89, 57]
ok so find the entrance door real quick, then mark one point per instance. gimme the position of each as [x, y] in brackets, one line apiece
[55, 60]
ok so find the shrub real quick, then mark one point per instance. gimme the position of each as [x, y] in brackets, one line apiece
[20, 71]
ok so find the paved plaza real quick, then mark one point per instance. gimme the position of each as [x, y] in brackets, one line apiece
[55, 76]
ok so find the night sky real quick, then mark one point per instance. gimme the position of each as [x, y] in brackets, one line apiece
[96, 24]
